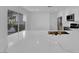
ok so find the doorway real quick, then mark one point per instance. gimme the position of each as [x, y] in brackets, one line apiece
[59, 23]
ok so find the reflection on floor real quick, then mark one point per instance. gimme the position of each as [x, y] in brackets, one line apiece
[14, 38]
[36, 41]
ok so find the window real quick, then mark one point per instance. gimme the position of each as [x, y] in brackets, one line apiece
[15, 22]
[70, 17]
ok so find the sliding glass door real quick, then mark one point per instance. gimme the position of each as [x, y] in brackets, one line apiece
[12, 22]
[16, 26]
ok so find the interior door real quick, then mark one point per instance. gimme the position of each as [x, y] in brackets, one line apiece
[59, 23]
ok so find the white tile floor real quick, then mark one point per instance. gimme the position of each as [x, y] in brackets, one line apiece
[40, 41]
[36, 41]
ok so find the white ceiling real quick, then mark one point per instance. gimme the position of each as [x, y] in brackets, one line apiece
[36, 8]
[47, 9]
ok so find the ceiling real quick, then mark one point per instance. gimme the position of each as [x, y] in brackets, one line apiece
[36, 8]
[47, 8]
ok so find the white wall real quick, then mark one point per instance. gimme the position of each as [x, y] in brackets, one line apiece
[3, 24]
[38, 21]
[53, 21]
[69, 11]
[3, 29]
[28, 22]
[70, 41]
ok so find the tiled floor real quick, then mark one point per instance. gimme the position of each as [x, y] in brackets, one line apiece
[40, 41]
[36, 41]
